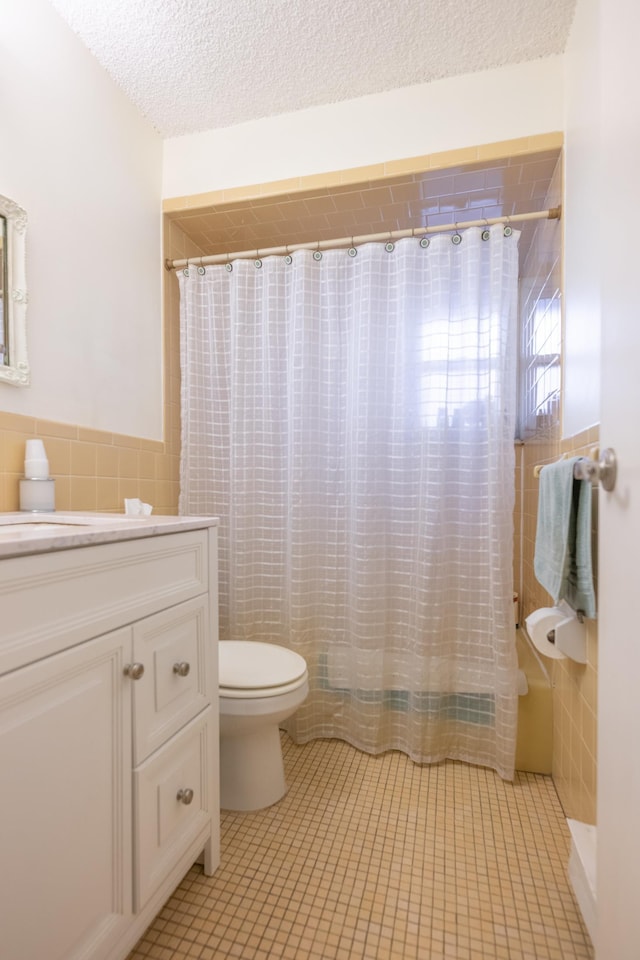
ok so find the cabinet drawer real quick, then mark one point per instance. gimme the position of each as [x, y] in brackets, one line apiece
[176, 650]
[55, 600]
[165, 824]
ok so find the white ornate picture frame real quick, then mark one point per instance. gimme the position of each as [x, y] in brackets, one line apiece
[16, 371]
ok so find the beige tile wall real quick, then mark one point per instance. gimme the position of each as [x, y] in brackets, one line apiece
[93, 470]
[96, 470]
[574, 685]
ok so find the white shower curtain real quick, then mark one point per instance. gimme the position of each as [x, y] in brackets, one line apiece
[351, 420]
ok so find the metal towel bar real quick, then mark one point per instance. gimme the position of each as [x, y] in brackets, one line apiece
[599, 467]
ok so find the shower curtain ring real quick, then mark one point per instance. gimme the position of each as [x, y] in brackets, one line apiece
[228, 265]
[316, 253]
[185, 272]
[389, 245]
[352, 250]
[508, 230]
[201, 269]
[456, 238]
[486, 232]
[288, 258]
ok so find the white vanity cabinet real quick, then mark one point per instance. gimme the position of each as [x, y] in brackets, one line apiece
[108, 739]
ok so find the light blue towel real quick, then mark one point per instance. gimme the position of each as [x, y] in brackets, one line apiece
[562, 560]
[578, 588]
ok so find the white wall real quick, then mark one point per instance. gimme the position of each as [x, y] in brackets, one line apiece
[501, 104]
[582, 207]
[87, 169]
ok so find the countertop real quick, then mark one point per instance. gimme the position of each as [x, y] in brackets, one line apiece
[27, 533]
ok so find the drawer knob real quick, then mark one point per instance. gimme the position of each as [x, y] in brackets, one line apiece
[182, 668]
[134, 670]
[185, 796]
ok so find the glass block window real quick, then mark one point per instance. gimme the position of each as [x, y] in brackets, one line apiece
[540, 354]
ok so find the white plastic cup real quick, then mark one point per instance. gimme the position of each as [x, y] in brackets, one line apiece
[36, 465]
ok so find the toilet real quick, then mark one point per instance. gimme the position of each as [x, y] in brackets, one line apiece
[260, 685]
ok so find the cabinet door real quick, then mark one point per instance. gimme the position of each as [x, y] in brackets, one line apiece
[65, 803]
[176, 650]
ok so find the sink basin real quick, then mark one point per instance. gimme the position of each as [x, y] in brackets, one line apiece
[21, 524]
[37, 525]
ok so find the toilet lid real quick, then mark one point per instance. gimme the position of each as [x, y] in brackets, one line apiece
[251, 665]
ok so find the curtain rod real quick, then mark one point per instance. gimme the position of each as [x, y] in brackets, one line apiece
[554, 213]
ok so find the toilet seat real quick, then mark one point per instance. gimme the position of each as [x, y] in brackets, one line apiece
[250, 669]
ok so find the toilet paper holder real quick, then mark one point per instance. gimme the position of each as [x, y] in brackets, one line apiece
[558, 632]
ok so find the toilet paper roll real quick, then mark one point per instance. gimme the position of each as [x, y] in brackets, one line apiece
[539, 624]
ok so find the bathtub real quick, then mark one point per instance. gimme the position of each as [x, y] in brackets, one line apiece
[339, 673]
[534, 744]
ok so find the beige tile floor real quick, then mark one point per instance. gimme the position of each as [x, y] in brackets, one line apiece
[377, 857]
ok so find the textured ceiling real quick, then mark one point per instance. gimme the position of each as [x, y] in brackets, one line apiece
[193, 65]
